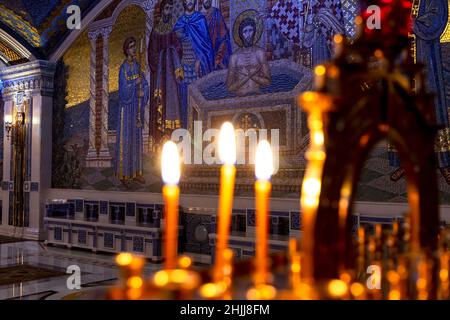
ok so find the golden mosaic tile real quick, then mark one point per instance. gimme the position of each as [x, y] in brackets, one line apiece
[131, 22]
[77, 59]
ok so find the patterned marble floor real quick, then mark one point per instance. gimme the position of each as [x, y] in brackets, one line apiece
[48, 265]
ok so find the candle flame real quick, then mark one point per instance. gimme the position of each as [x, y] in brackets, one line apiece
[227, 144]
[170, 163]
[312, 187]
[263, 161]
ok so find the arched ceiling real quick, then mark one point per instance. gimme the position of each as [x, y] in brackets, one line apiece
[39, 25]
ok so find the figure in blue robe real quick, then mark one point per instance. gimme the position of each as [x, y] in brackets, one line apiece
[133, 97]
[198, 54]
[219, 34]
[428, 26]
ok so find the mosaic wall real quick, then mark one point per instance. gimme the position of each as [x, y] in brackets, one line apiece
[77, 90]
[41, 23]
[198, 66]
[122, 29]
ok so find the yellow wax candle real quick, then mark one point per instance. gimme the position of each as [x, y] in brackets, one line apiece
[314, 103]
[170, 167]
[263, 172]
[362, 248]
[227, 154]
[422, 283]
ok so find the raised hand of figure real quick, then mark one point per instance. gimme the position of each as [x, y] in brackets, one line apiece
[138, 80]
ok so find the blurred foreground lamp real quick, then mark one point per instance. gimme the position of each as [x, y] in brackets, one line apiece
[130, 267]
[315, 104]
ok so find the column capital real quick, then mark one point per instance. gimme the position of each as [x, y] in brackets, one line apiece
[149, 6]
[28, 77]
[103, 31]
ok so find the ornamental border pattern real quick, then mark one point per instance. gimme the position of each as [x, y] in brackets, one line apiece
[31, 76]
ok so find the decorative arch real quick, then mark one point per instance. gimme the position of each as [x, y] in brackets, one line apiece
[99, 32]
[147, 6]
[445, 36]
[88, 22]
[12, 51]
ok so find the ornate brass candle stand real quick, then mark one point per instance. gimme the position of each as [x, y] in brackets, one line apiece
[167, 284]
[363, 96]
[370, 91]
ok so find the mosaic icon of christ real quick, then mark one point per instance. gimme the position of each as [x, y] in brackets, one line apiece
[248, 69]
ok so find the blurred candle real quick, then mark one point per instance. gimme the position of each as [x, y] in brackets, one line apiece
[170, 168]
[422, 278]
[227, 154]
[362, 241]
[361, 249]
[295, 260]
[315, 104]
[394, 285]
[263, 172]
[8, 119]
[444, 275]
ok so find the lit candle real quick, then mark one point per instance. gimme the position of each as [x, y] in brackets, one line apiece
[263, 172]
[227, 154]
[170, 167]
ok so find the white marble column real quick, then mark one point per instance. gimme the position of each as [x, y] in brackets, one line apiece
[8, 107]
[146, 132]
[34, 80]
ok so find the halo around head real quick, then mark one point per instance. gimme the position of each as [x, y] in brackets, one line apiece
[253, 14]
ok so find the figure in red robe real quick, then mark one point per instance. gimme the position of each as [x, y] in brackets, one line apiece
[166, 72]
